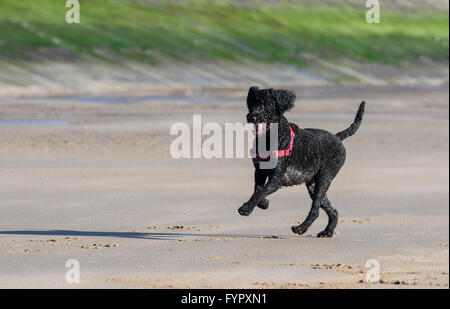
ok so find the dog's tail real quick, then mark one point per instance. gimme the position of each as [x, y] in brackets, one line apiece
[355, 125]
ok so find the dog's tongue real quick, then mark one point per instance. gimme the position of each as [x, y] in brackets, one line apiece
[259, 127]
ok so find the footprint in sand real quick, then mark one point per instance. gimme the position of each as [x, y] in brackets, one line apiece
[193, 228]
[99, 246]
[354, 221]
[207, 258]
[339, 267]
[22, 251]
[213, 239]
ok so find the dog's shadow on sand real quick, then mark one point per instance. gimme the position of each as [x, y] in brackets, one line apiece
[137, 235]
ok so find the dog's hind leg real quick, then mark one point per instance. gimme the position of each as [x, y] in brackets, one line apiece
[329, 209]
[332, 219]
[322, 183]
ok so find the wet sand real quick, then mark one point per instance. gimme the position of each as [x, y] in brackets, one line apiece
[93, 180]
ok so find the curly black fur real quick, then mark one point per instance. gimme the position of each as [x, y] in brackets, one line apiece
[316, 158]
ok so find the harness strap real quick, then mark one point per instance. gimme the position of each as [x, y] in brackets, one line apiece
[279, 153]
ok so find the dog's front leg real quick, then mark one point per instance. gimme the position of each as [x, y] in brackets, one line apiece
[260, 180]
[272, 185]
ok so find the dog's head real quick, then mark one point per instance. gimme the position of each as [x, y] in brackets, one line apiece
[267, 106]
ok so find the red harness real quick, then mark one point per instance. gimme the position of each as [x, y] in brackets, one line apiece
[279, 153]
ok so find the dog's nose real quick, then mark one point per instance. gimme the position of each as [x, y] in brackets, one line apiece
[251, 118]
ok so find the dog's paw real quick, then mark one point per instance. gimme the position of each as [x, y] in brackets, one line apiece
[246, 209]
[264, 204]
[298, 229]
[325, 233]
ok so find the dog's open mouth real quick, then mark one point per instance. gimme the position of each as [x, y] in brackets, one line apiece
[259, 128]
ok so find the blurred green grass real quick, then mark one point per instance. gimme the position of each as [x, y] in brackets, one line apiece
[220, 30]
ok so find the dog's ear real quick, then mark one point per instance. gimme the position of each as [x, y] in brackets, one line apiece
[252, 90]
[251, 96]
[285, 99]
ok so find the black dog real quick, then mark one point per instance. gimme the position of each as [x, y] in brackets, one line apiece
[310, 156]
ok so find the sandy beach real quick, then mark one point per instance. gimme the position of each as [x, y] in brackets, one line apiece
[92, 179]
